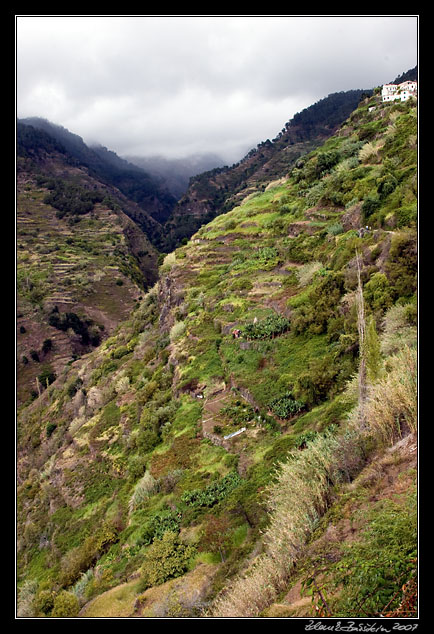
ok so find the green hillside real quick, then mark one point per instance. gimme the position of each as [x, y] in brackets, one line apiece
[243, 442]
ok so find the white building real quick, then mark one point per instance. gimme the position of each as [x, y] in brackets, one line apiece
[402, 92]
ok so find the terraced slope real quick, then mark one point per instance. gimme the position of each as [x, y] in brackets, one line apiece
[133, 480]
[94, 265]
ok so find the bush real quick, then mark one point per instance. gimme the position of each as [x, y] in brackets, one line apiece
[401, 266]
[47, 345]
[47, 376]
[213, 493]
[166, 558]
[44, 601]
[158, 525]
[80, 558]
[286, 406]
[377, 293]
[266, 328]
[370, 206]
[318, 382]
[65, 605]
[306, 273]
[177, 331]
[50, 429]
[373, 571]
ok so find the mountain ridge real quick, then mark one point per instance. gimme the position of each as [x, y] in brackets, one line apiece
[162, 468]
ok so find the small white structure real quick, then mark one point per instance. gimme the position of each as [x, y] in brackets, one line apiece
[401, 92]
[235, 433]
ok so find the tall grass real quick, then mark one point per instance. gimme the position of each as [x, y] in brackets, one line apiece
[391, 407]
[301, 491]
[145, 487]
[306, 272]
[296, 501]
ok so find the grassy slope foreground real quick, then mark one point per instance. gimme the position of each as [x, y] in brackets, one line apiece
[212, 457]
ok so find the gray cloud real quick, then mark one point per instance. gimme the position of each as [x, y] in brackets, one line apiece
[179, 84]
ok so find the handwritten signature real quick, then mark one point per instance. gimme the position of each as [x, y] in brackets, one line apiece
[352, 626]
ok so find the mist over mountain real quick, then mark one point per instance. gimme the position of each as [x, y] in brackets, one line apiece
[176, 173]
[150, 194]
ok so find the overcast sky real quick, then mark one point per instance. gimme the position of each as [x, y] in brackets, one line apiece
[176, 85]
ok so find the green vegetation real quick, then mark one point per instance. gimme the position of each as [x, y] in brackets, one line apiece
[126, 470]
[373, 570]
[269, 327]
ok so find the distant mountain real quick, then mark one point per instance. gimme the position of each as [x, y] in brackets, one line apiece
[218, 190]
[410, 75]
[176, 173]
[150, 195]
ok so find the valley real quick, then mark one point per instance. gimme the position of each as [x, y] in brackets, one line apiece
[210, 453]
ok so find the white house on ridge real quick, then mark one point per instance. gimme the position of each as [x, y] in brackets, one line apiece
[402, 92]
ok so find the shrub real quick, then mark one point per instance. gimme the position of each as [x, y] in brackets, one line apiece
[372, 572]
[80, 558]
[377, 292]
[47, 376]
[158, 525]
[335, 229]
[165, 559]
[177, 331]
[50, 429]
[370, 205]
[399, 329]
[286, 406]
[47, 345]
[65, 605]
[35, 356]
[26, 599]
[318, 382]
[213, 493]
[80, 587]
[136, 467]
[44, 601]
[269, 327]
[401, 266]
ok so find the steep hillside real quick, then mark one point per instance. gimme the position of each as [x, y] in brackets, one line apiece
[217, 190]
[219, 453]
[82, 263]
[154, 202]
